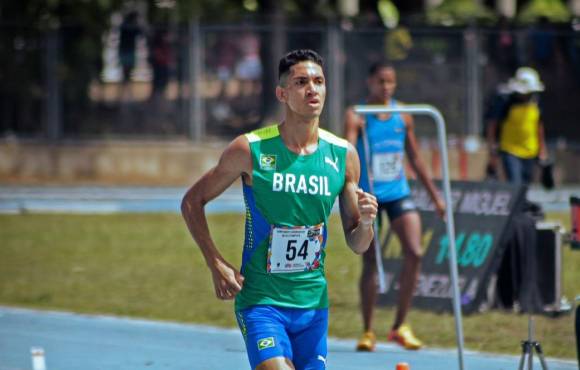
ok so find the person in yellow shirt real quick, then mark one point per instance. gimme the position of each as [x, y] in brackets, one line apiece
[515, 132]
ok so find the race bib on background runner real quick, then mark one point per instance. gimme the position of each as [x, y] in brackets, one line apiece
[294, 249]
[387, 166]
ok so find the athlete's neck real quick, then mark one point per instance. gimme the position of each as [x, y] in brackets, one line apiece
[371, 100]
[378, 101]
[300, 136]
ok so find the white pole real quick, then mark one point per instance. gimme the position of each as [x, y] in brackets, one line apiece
[197, 123]
[574, 6]
[377, 245]
[423, 109]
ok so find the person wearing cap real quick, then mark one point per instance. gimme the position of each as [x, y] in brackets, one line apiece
[515, 131]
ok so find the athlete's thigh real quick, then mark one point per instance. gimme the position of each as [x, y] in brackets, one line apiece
[276, 363]
[309, 344]
[408, 229]
[264, 332]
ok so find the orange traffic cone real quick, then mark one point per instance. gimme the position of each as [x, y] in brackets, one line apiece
[402, 366]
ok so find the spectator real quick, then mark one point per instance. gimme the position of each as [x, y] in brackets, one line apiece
[161, 60]
[128, 33]
[543, 41]
[515, 131]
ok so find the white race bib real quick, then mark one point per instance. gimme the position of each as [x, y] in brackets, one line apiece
[387, 166]
[294, 249]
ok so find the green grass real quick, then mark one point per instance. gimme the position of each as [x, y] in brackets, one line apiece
[146, 265]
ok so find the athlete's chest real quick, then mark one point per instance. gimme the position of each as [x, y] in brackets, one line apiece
[386, 135]
[280, 172]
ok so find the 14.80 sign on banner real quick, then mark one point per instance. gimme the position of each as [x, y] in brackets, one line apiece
[482, 213]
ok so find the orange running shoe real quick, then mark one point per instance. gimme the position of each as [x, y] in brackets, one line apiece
[367, 342]
[405, 337]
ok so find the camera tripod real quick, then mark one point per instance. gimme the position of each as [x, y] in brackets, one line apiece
[528, 348]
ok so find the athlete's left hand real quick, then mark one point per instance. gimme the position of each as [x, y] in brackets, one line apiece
[440, 207]
[367, 207]
[543, 155]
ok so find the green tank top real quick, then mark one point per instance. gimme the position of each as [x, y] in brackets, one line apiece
[287, 210]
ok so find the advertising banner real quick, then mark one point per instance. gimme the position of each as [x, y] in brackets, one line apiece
[482, 213]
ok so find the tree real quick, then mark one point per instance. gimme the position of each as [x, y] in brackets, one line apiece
[460, 12]
[26, 26]
[552, 10]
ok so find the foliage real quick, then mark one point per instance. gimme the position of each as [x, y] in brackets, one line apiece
[77, 27]
[553, 10]
[459, 12]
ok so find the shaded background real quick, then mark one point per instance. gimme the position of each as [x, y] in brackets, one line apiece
[205, 71]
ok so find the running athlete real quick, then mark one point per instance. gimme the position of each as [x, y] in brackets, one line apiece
[390, 136]
[291, 175]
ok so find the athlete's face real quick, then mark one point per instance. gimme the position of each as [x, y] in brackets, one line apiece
[304, 89]
[382, 84]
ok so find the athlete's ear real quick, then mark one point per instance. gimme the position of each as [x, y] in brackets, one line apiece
[281, 94]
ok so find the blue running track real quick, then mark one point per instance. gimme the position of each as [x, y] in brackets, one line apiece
[83, 342]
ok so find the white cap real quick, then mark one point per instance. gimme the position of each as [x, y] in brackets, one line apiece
[526, 81]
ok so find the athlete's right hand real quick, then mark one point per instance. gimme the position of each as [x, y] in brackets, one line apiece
[227, 280]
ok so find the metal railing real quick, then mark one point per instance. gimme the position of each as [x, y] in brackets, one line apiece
[449, 221]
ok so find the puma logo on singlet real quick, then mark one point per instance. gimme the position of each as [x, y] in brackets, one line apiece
[330, 162]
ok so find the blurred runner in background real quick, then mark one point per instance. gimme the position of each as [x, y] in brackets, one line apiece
[389, 137]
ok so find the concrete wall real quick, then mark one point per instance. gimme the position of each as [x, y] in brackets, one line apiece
[179, 163]
[106, 162]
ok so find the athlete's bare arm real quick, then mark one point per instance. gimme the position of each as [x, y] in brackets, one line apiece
[412, 151]
[543, 153]
[235, 161]
[491, 132]
[491, 135]
[357, 208]
[352, 125]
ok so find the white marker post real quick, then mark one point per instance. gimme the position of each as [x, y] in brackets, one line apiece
[442, 140]
[38, 362]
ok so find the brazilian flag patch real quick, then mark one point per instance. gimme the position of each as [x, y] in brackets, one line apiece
[267, 162]
[266, 343]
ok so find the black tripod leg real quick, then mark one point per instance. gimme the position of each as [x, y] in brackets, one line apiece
[578, 331]
[538, 348]
[526, 356]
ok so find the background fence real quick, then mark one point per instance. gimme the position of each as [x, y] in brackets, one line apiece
[201, 81]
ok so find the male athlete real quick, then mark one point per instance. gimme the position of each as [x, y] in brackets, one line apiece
[390, 136]
[291, 175]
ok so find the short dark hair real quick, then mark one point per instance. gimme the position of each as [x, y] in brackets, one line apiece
[295, 57]
[376, 66]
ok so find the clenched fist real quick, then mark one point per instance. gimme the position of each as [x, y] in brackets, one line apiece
[367, 207]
